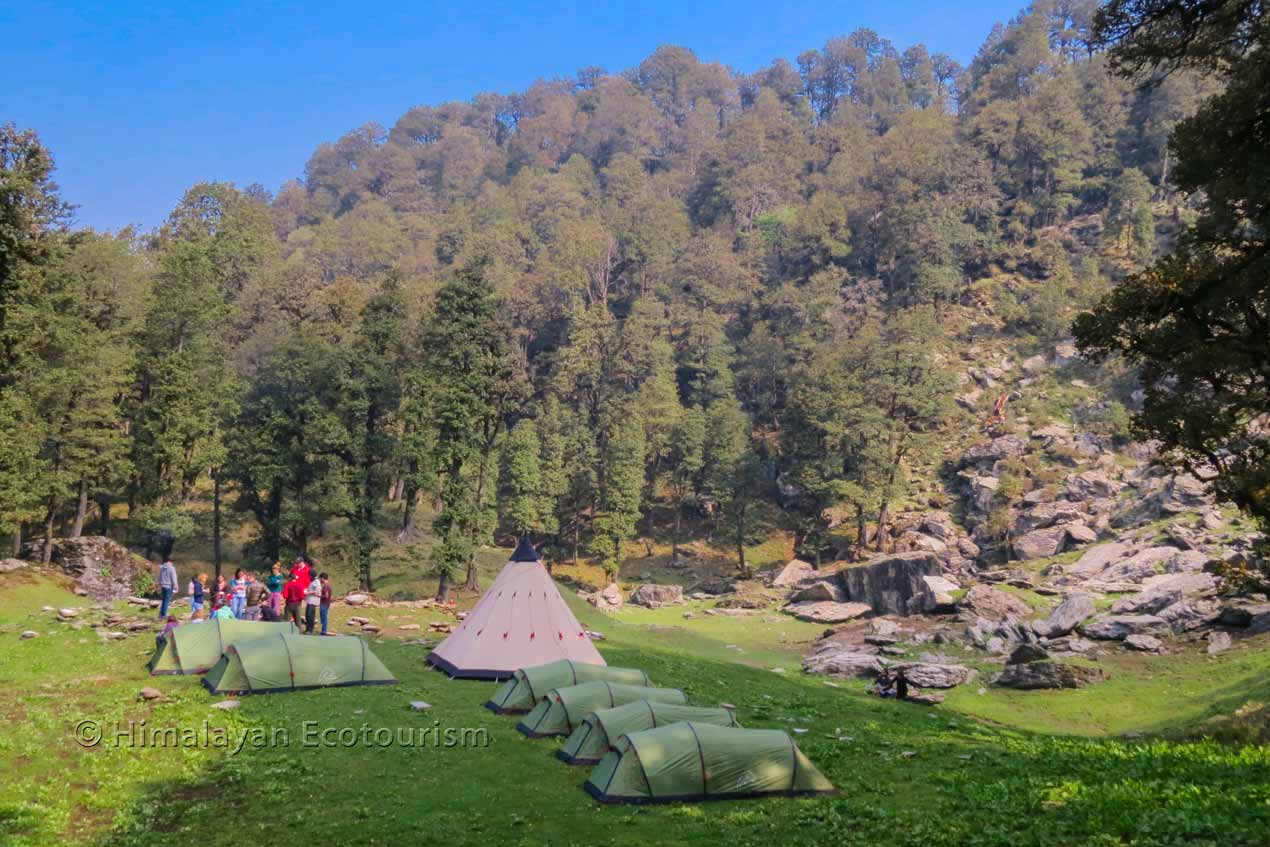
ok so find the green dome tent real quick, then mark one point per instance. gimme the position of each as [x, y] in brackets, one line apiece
[594, 736]
[696, 761]
[195, 647]
[294, 663]
[564, 708]
[529, 685]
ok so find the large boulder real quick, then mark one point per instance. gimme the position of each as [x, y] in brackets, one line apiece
[1092, 484]
[608, 599]
[1096, 559]
[1118, 627]
[1001, 447]
[1069, 614]
[9, 565]
[652, 596]
[936, 675]
[992, 603]
[828, 611]
[1029, 676]
[840, 660]
[1040, 543]
[1027, 653]
[793, 572]
[894, 585]
[1044, 515]
[822, 590]
[102, 567]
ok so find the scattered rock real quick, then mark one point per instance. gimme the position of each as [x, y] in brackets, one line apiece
[926, 698]
[930, 675]
[992, 603]
[608, 599]
[1048, 674]
[149, 693]
[370, 628]
[409, 627]
[838, 660]
[1071, 613]
[1040, 543]
[357, 599]
[1025, 653]
[67, 614]
[419, 706]
[1143, 643]
[226, 705]
[30, 633]
[10, 565]
[819, 591]
[652, 596]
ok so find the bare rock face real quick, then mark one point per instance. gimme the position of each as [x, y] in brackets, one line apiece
[828, 611]
[1143, 643]
[840, 660]
[1002, 447]
[992, 603]
[103, 568]
[652, 596]
[1040, 543]
[794, 572]
[1027, 653]
[1071, 613]
[1218, 642]
[1029, 676]
[894, 584]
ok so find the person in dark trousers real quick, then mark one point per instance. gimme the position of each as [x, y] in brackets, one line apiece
[901, 686]
[312, 598]
[325, 598]
[167, 586]
[293, 596]
[265, 612]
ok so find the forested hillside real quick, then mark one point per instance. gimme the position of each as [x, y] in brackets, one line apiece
[674, 300]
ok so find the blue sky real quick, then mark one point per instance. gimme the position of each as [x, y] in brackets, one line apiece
[140, 100]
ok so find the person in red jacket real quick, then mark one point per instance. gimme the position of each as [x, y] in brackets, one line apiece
[293, 596]
[303, 571]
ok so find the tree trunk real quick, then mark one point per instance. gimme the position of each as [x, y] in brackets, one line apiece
[443, 586]
[81, 510]
[103, 506]
[408, 505]
[473, 583]
[17, 540]
[216, 551]
[674, 540]
[742, 565]
[47, 555]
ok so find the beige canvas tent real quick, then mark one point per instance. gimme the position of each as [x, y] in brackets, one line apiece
[520, 621]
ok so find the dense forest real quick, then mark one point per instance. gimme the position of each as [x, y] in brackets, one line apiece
[598, 308]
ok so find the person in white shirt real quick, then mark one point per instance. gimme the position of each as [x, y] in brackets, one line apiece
[312, 599]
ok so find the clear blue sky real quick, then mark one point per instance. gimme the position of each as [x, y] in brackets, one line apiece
[140, 100]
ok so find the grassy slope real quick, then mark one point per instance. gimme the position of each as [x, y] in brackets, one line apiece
[965, 782]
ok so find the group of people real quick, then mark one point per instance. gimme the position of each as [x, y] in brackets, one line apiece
[890, 684]
[300, 596]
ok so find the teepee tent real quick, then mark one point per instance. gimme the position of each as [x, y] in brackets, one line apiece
[520, 621]
[697, 761]
[594, 736]
[560, 712]
[529, 685]
[195, 647]
[294, 663]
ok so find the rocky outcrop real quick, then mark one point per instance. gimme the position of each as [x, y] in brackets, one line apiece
[103, 568]
[1027, 653]
[1030, 676]
[822, 590]
[894, 584]
[1002, 447]
[651, 596]
[1069, 614]
[10, 565]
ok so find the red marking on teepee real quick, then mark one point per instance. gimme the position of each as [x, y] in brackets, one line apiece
[560, 636]
[531, 636]
[504, 635]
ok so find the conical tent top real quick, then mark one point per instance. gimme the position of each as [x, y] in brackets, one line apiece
[525, 551]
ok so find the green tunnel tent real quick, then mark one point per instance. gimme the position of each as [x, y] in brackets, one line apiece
[295, 663]
[692, 761]
[195, 647]
[563, 709]
[594, 736]
[529, 685]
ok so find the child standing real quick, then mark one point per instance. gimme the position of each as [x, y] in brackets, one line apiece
[198, 594]
[274, 583]
[326, 601]
[238, 594]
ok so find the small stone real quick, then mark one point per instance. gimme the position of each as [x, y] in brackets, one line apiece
[1143, 643]
[370, 628]
[419, 706]
[409, 627]
[116, 636]
[67, 613]
[908, 754]
[226, 705]
[149, 693]
[798, 730]
[727, 706]
[1218, 642]
[30, 633]
[356, 599]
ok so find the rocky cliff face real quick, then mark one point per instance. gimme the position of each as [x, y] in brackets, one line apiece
[102, 568]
